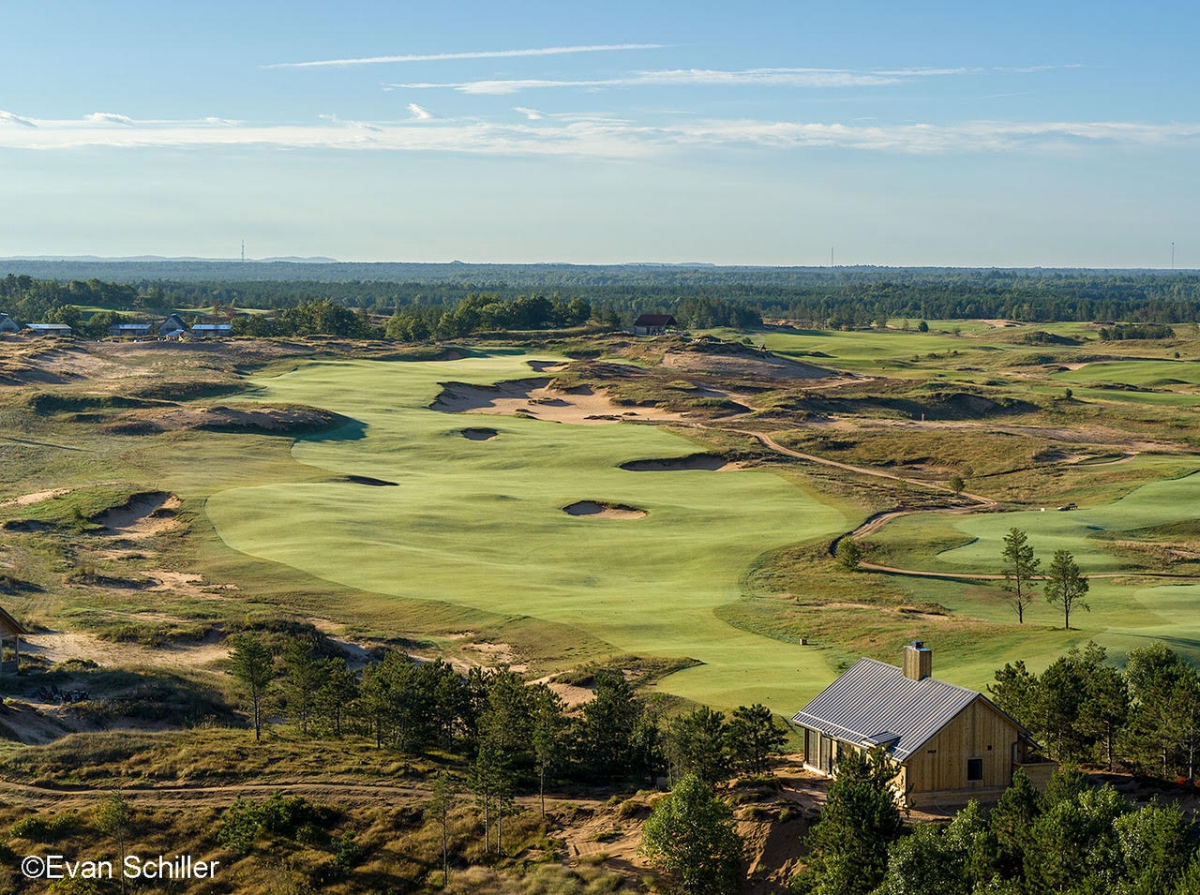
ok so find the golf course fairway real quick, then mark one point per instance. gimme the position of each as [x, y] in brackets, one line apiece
[480, 522]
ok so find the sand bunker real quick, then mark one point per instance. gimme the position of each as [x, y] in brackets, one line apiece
[534, 399]
[143, 515]
[710, 462]
[367, 480]
[546, 366]
[595, 510]
[479, 434]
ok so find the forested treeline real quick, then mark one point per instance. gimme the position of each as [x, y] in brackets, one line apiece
[516, 735]
[826, 299]
[1082, 710]
[1072, 838]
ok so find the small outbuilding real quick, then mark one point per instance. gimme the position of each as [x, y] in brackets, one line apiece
[212, 330]
[129, 330]
[11, 632]
[951, 744]
[8, 325]
[48, 329]
[653, 324]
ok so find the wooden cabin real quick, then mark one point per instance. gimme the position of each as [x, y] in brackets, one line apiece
[8, 325]
[11, 632]
[951, 744]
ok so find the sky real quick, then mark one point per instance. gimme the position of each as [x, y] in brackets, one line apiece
[762, 132]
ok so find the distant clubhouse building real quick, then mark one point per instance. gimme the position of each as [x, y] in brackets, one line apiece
[951, 744]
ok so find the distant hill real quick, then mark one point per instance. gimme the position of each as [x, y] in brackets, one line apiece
[516, 276]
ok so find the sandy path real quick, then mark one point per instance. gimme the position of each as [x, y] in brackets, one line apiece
[767, 441]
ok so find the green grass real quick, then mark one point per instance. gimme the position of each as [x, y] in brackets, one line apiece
[1126, 610]
[480, 524]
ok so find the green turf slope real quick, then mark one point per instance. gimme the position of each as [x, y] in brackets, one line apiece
[480, 523]
[1127, 611]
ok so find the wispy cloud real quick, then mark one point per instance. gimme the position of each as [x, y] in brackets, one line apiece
[10, 118]
[108, 118]
[1035, 69]
[754, 77]
[531, 114]
[594, 135]
[476, 54]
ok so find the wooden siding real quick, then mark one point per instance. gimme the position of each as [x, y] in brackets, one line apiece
[978, 731]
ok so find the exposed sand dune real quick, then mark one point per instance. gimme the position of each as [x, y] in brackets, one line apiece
[768, 365]
[26, 500]
[533, 399]
[595, 510]
[59, 646]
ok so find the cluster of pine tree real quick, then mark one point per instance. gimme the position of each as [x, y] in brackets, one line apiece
[1146, 717]
[1073, 838]
[516, 736]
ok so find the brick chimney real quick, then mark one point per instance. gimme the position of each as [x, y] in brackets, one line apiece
[918, 661]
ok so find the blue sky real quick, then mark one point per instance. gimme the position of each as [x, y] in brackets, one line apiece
[956, 133]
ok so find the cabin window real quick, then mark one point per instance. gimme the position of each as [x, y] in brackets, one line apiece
[974, 768]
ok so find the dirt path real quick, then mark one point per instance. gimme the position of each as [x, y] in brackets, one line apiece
[876, 522]
[973, 576]
[768, 442]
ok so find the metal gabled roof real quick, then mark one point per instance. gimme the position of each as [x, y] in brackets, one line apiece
[874, 704]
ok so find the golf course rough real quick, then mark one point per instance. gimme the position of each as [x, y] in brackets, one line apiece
[481, 523]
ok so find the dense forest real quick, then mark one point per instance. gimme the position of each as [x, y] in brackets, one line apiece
[433, 302]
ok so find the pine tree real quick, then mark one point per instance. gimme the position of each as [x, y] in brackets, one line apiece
[1020, 566]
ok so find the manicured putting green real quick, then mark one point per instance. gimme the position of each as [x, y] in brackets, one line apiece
[481, 523]
[1049, 529]
[1123, 614]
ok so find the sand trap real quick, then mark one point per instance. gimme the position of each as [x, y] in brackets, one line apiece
[534, 399]
[710, 462]
[143, 515]
[367, 480]
[546, 366]
[479, 434]
[594, 510]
